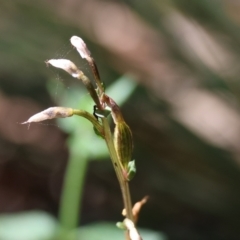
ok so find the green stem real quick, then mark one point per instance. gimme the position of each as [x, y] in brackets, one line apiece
[69, 215]
[91, 118]
[117, 167]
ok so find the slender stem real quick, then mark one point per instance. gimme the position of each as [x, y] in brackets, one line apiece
[117, 167]
[72, 194]
[94, 68]
[128, 200]
[91, 118]
[89, 87]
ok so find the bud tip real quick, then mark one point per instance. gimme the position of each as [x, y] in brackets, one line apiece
[81, 47]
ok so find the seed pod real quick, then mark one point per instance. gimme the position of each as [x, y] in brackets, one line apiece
[122, 134]
[123, 143]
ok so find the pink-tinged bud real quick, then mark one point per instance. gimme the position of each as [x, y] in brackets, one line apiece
[50, 113]
[81, 47]
[66, 65]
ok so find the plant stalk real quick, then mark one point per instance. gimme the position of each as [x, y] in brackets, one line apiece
[69, 215]
[117, 167]
[94, 68]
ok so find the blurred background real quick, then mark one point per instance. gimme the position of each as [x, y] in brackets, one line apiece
[184, 112]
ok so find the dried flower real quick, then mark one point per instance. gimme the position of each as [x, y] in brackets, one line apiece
[66, 65]
[50, 113]
[81, 47]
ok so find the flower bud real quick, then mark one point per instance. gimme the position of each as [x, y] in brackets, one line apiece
[66, 65]
[50, 113]
[81, 47]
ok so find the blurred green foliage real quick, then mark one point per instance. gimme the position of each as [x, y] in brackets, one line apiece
[184, 114]
[37, 225]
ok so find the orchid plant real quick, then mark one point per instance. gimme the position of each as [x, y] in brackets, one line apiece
[119, 143]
